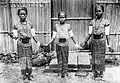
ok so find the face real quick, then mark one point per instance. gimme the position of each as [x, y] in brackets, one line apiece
[99, 12]
[62, 18]
[22, 15]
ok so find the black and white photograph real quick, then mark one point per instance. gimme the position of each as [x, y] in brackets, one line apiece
[59, 41]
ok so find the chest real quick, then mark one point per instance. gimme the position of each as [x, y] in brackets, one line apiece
[98, 27]
[62, 29]
[24, 28]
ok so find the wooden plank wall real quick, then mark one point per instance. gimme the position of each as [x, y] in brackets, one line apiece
[39, 14]
[4, 26]
[79, 14]
[112, 13]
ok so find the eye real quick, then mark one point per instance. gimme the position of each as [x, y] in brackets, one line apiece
[22, 14]
[98, 11]
[62, 17]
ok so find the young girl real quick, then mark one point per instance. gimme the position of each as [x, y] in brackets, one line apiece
[98, 31]
[24, 31]
[61, 34]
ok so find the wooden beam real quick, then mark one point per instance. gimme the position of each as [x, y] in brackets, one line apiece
[40, 32]
[3, 3]
[114, 33]
[113, 53]
[4, 32]
[107, 53]
[74, 18]
[30, 1]
[107, 2]
[81, 51]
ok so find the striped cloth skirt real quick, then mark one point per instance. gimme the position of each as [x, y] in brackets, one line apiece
[62, 58]
[98, 50]
[25, 55]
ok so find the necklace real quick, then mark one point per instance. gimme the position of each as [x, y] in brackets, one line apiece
[24, 26]
[97, 23]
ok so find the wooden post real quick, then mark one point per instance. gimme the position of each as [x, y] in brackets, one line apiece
[11, 42]
[94, 4]
[10, 14]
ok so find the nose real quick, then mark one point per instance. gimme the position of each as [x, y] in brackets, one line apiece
[22, 15]
[97, 12]
[62, 18]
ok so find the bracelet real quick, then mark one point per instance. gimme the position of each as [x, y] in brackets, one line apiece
[108, 46]
[85, 42]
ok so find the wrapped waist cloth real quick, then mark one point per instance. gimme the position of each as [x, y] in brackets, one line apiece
[62, 40]
[96, 36]
[25, 40]
[24, 50]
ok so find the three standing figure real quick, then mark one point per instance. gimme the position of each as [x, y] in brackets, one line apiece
[98, 32]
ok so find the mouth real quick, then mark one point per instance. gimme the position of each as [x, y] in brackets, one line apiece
[98, 14]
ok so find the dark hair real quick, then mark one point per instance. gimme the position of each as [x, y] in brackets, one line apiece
[23, 8]
[62, 12]
[102, 7]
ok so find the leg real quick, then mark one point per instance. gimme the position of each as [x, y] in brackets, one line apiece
[101, 74]
[29, 74]
[65, 54]
[66, 59]
[29, 68]
[59, 59]
[23, 67]
[23, 72]
[95, 74]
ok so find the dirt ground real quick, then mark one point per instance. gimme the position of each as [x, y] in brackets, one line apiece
[10, 73]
